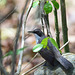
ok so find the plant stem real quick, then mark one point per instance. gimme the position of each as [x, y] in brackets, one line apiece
[41, 6]
[0, 48]
[16, 41]
[56, 27]
[64, 24]
[23, 36]
[46, 20]
[2, 69]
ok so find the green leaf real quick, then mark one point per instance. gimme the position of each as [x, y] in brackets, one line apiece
[47, 7]
[60, 51]
[44, 42]
[48, 48]
[35, 4]
[7, 54]
[11, 52]
[19, 50]
[37, 47]
[55, 44]
[56, 5]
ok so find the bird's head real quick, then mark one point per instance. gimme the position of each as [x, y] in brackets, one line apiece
[37, 32]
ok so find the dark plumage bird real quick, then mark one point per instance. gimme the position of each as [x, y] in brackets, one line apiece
[51, 54]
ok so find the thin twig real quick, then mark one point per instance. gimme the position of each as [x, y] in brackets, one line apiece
[5, 17]
[34, 68]
[28, 10]
[41, 5]
[21, 54]
[42, 26]
[30, 61]
[3, 69]
[0, 48]
[23, 31]
[16, 41]
[2, 20]
[64, 45]
[1, 65]
[44, 18]
[22, 45]
[42, 61]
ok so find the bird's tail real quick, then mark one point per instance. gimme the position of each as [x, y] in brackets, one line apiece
[64, 62]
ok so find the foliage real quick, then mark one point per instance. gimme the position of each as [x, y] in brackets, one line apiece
[47, 7]
[37, 47]
[43, 44]
[11, 52]
[56, 5]
[55, 44]
[8, 53]
[35, 3]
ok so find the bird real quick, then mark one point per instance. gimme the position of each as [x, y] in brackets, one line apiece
[51, 54]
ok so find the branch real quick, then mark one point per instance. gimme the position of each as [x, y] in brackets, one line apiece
[23, 31]
[56, 27]
[64, 45]
[0, 47]
[5, 17]
[27, 13]
[16, 41]
[44, 18]
[3, 69]
[0, 51]
[2, 20]
[41, 5]
[34, 68]
[30, 61]
[64, 24]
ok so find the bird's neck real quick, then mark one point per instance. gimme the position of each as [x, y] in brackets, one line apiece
[37, 38]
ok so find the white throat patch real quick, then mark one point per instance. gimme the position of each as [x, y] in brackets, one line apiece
[37, 38]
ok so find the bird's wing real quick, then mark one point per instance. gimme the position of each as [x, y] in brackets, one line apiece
[66, 64]
[46, 54]
[48, 49]
[53, 49]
